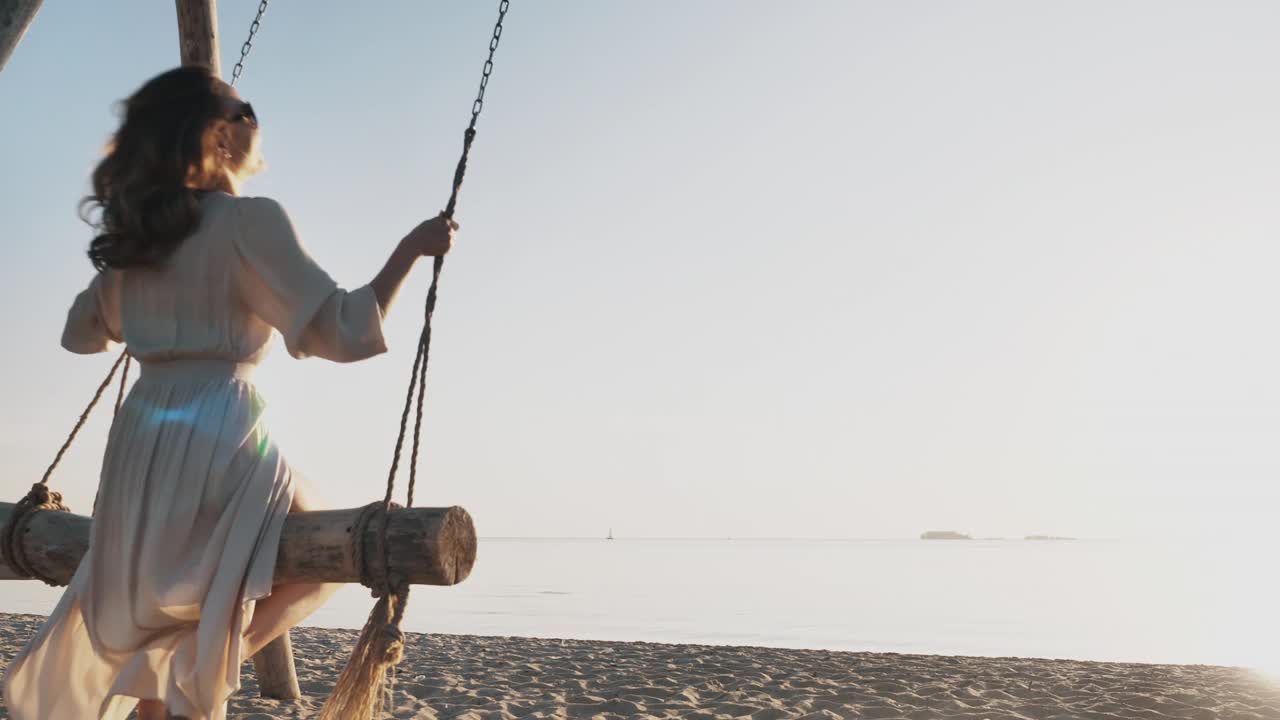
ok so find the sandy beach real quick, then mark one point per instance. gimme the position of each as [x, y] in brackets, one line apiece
[474, 678]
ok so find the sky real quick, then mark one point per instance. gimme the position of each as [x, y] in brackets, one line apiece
[819, 269]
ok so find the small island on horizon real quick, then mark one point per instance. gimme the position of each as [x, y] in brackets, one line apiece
[954, 535]
[944, 535]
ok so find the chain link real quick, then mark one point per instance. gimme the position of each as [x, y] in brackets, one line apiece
[248, 44]
[478, 105]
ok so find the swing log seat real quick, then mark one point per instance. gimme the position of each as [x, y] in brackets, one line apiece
[428, 546]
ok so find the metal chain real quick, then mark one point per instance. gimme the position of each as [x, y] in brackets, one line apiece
[468, 137]
[478, 105]
[248, 44]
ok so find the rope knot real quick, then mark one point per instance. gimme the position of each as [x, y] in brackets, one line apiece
[396, 580]
[371, 562]
[12, 551]
[391, 645]
[40, 495]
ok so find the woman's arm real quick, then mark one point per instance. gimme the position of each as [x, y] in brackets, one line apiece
[93, 322]
[282, 284]
[386, 284]
[432, 237]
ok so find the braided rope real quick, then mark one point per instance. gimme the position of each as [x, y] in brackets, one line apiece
[40, 497]
[373, 575]
[123, 359]
[368, 680]
[418, 375]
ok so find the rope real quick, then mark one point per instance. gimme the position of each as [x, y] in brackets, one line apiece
[372, 575]
[123, 359]
[364, 685]
[40, 497]
[417, 381]
[124, 378]
[418, 375]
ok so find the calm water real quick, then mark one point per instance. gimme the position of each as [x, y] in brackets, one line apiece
[1099, 600]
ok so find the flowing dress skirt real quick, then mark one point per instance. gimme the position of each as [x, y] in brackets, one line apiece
[192, 501]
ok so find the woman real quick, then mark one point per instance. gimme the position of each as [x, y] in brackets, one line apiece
[175, 590]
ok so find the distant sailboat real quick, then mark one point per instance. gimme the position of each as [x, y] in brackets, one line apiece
[610, 534]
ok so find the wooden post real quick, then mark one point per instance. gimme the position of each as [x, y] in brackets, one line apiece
[15, 18]
[277, 676]
[198, 45]
[198, 33]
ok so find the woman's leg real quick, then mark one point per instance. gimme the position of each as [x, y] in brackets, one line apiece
[287, 605]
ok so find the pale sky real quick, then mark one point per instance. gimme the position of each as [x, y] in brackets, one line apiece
[817, 269]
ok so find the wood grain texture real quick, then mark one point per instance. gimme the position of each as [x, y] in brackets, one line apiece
[198, 33]
[430, 546]
[15, 18]
[277, 675]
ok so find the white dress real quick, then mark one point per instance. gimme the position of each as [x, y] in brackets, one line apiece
[193, 492]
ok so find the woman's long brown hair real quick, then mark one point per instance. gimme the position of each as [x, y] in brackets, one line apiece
[146, 190]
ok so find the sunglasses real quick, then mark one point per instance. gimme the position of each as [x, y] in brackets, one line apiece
[244, 113]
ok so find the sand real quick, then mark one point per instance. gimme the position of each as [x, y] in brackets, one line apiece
[474, 678]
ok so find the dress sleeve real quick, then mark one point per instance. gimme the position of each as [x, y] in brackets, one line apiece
[280, 282]
[93, 322]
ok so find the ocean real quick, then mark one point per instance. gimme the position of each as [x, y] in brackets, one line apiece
[1110, 600]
